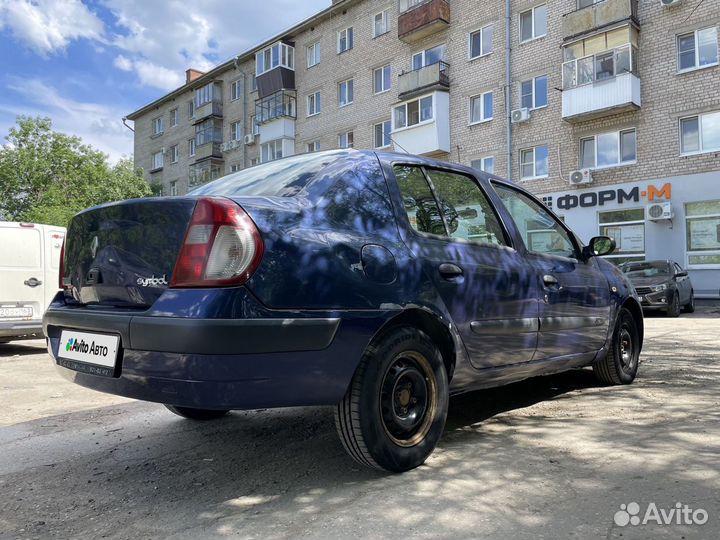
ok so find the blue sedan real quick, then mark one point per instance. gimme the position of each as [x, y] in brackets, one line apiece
[377, 283]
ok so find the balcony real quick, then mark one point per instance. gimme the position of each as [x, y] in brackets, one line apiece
[204, 172]
[275, 69]
[421, 18]
[422, 125]
[207, 110]
[208, 150]
[433, 77]
[597, 16]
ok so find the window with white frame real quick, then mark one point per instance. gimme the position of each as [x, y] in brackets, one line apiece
[204, 95]
[270, 151]
[533, 23]
[313, 54]
[485, 164]
[313, 146]
[174, 117]
[481, 108]
[413, 112]
[481, 42]
[608, 149]
[381, 23]
[382, 137]
[191, 147]
[253, 85]
[235, 167]
[428, 57]
[700, 133]
[627, 228]
[157, 160]
[346, 139]
[313, 104]
[236, 131]
[277, 55]
[191, 108]
[534, 92]
[236, 90]
[534, 162]
[345, 40]
[697, 49]
[173, 189]
[254, 126]
[157, 124]
[703, 233]
[382, 79]
[174, 153]
[254, 161]
[345, 92]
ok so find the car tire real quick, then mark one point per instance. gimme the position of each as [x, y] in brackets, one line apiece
[673, 309]
[620, 365]
[394, 411]
[690, 306]
[197, 414]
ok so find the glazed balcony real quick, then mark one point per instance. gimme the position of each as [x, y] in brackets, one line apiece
[421, 18]
[597, 16]
[421, 125]
[433, 77]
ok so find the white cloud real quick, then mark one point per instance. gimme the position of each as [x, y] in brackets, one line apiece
[48, 26]
[123, 63]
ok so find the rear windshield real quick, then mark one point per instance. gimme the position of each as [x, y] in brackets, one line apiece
[646, 269]
[282, 178]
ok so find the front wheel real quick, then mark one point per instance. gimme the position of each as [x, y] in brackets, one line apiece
[394, 412]
[620, 365]
[673, 309]
[197, 414]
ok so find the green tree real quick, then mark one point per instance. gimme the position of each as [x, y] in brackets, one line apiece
[47, 176]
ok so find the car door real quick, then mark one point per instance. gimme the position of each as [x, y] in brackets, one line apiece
[21, 272]
[482, 280]
[53, 240]
[574, 295]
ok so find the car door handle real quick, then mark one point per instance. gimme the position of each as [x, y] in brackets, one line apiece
[550, 281]
[450, 271]
[33, 282]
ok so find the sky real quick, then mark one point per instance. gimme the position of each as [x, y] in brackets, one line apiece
[87, 64]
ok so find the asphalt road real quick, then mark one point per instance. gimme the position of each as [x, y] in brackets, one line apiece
[551, 457]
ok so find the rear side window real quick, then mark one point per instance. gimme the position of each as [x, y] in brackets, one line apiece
[466, 212]
[21, 247]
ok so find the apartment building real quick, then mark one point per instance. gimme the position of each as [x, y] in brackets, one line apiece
[608, 109]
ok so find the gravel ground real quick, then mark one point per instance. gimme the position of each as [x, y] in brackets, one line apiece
[550, 457]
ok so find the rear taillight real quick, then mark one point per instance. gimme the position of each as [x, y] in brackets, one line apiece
[222, 246]
[61, 285]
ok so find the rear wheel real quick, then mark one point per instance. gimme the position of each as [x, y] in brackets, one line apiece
[394, 412]
[690, 306]
[620, 365]
[197, 414]
[673, 309]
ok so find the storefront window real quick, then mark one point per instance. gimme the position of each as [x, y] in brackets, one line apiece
[703, 232]
[627, 228]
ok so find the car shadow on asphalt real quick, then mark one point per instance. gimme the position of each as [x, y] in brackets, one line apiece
[21, 348]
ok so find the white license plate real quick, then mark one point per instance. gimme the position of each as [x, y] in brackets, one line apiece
[96, 349]
[15, 312]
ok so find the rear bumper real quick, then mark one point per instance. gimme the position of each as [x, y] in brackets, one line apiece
[21, 329]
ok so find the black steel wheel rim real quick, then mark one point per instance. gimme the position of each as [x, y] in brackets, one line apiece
[626, 349]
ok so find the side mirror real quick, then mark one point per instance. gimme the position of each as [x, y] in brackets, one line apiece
[599, 246]
[682, 274]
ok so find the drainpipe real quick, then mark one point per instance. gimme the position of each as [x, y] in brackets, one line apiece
[508, 90]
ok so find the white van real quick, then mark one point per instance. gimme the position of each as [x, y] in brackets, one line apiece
[29, 270]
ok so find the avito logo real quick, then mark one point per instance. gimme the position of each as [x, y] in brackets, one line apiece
[80, 346]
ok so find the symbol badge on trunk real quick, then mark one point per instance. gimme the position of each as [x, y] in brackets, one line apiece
[94, 246]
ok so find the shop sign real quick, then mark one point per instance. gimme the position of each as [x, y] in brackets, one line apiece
[605, 196]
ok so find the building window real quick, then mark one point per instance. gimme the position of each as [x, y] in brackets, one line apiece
[157, 161]
[382, 134]
[345, 92]
[236, 131]
[254, 161]
[413, 112]
[174, 117]
[346, 139]
[313, 146]
[534, 163]
[697, 49]
[313, 104]
[481, 42]
[381, 79]
[173, 189]
[191, 109]
[235, 167]
[703, 233]
[534, 93]
[627, 228]
[204, 95]
[254, 125]
[481, 108]
[191, 147]
[700, 133]
[345, 40]
[208, 131]
[381, 23]
[253, 85]
[428, 57]
[174, 153]
[271, 151]
[236, 90]
[277, 55]
[587, 3]
[157, 124]
[533, 23]
[486, 164]
[608, 149]
[313, 54]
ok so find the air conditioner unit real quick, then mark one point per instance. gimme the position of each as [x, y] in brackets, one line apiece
[658, 211]
[520, 115]
[250, 138]
[668, 3]
[583, 176]
[224, 147]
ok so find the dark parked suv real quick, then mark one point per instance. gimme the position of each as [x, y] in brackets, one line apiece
[378, 283]
[661, 285]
